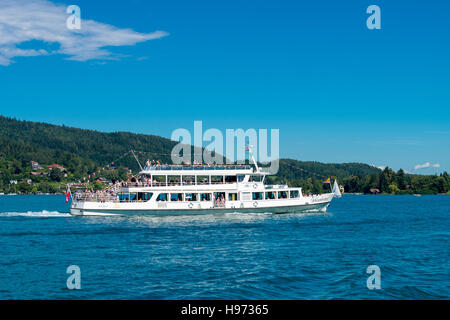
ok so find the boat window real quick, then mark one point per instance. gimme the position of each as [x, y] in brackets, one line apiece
[270, 195]
[216, 179]
[255, 179]
[162, 197]
[133, 197]
[124, 197]
[230, 179]
[205, 196]
[202, 179]
[191, 197]
[176, 197]
[282, 194]
[188, 180]
[294, 194]
[144, 196]
[245, 196]
[173, 180]
[232, 196]
[257, 195]
[159, 180]
[240, 178]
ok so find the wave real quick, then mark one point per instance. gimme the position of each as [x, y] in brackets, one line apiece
[38, 214]
[225, 218]
[237, 213]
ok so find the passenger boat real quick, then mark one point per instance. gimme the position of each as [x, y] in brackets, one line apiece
[197, 189]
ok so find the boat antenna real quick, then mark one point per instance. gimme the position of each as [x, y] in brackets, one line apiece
[132, 151]
[249, 148]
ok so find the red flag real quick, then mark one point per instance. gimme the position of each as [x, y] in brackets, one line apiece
[67, 193]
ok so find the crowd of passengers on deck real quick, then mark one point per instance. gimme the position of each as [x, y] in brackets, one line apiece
[156, 164]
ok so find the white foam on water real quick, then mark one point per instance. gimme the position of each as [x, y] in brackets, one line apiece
[237, 213]
[186, 220]
[38, 214]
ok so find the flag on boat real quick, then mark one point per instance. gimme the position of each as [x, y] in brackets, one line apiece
[249, 149]
[327, 181]
[336, 191]
[67, 193]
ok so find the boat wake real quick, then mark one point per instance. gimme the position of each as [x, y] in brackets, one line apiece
[201, 219]
[36, 214]
[249, 214]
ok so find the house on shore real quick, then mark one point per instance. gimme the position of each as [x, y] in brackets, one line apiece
[103, 181]
[38, 173]
[35, 165]
[57, 166]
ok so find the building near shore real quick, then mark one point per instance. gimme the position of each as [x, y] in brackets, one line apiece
[35, 165]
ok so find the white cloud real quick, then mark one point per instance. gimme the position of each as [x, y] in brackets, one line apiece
[27, 20]
[422, 166]
[426, 165]
[379, 167]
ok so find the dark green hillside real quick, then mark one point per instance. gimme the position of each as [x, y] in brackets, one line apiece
[294, 169]
[78, 150]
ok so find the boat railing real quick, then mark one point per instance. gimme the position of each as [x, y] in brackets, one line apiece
[94, 197]
[87, 197]
[196, 167]
[169, 184]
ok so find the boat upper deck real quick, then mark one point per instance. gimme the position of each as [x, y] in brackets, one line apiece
[198, 169]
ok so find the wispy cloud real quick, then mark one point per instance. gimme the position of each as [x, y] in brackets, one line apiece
[379, 167]
[426, 165]
[27, 20]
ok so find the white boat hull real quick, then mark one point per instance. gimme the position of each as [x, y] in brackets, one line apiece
[289, 206]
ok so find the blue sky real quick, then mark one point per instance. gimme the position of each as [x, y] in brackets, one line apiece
[337, 91]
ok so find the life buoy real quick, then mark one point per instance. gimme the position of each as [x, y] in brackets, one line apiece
[190, 205]
[255, 204]
[255, 186]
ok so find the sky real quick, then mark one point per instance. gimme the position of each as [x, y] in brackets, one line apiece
[337, 91]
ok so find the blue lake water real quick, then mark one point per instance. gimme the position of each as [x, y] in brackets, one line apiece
[228, 256]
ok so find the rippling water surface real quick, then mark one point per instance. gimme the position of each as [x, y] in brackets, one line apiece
[231, 255]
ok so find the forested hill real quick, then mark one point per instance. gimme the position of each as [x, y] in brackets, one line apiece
[294, 169]
[82, 152]
[78, 150]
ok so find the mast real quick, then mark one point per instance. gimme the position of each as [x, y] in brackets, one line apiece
[249, 148]
[132, 151]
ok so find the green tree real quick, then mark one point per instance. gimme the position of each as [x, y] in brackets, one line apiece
[393, 189]
[401, 179]
[55, 175]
